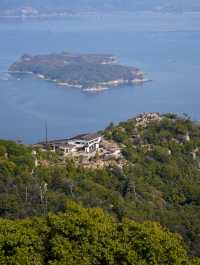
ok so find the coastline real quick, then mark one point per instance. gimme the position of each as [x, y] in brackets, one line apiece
[93, 88]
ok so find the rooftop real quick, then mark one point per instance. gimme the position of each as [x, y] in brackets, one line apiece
[86, 137]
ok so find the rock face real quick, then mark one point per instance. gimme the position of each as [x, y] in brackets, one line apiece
[86, 71]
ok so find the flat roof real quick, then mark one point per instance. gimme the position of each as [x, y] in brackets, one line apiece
[86, 137]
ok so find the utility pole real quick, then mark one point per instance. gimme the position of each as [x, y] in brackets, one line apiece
[43, 197]
[26, 193]
[46, 134]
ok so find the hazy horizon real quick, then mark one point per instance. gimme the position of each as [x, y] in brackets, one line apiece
[130, 5]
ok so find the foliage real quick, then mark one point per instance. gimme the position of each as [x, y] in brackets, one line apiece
[160, 182]
[88, 236]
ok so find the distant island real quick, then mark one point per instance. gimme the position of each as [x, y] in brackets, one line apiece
[27, 12]
[60, 8]
[90, 72]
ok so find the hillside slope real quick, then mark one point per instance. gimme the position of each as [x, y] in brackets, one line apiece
[160, 180]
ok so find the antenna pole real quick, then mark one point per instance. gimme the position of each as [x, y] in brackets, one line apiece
[46, 134]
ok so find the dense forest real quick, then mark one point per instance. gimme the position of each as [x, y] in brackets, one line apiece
[159, 182]
[88, 237]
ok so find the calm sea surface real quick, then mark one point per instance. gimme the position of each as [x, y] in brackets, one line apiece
[165, 46]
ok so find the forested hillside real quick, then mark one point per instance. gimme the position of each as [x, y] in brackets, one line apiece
[160, 180]
[87, 71]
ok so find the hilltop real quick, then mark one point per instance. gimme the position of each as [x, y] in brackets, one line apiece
[159, 179]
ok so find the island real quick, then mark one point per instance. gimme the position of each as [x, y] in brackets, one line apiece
[90, 72]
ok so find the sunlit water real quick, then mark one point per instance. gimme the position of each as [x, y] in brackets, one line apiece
[165, 47]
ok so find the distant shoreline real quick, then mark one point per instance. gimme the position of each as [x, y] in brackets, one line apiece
[96, 88]
[65, 14]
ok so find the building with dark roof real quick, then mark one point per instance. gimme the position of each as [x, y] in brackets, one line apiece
[87, 143]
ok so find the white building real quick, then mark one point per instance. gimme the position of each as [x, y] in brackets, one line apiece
[87, 143]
